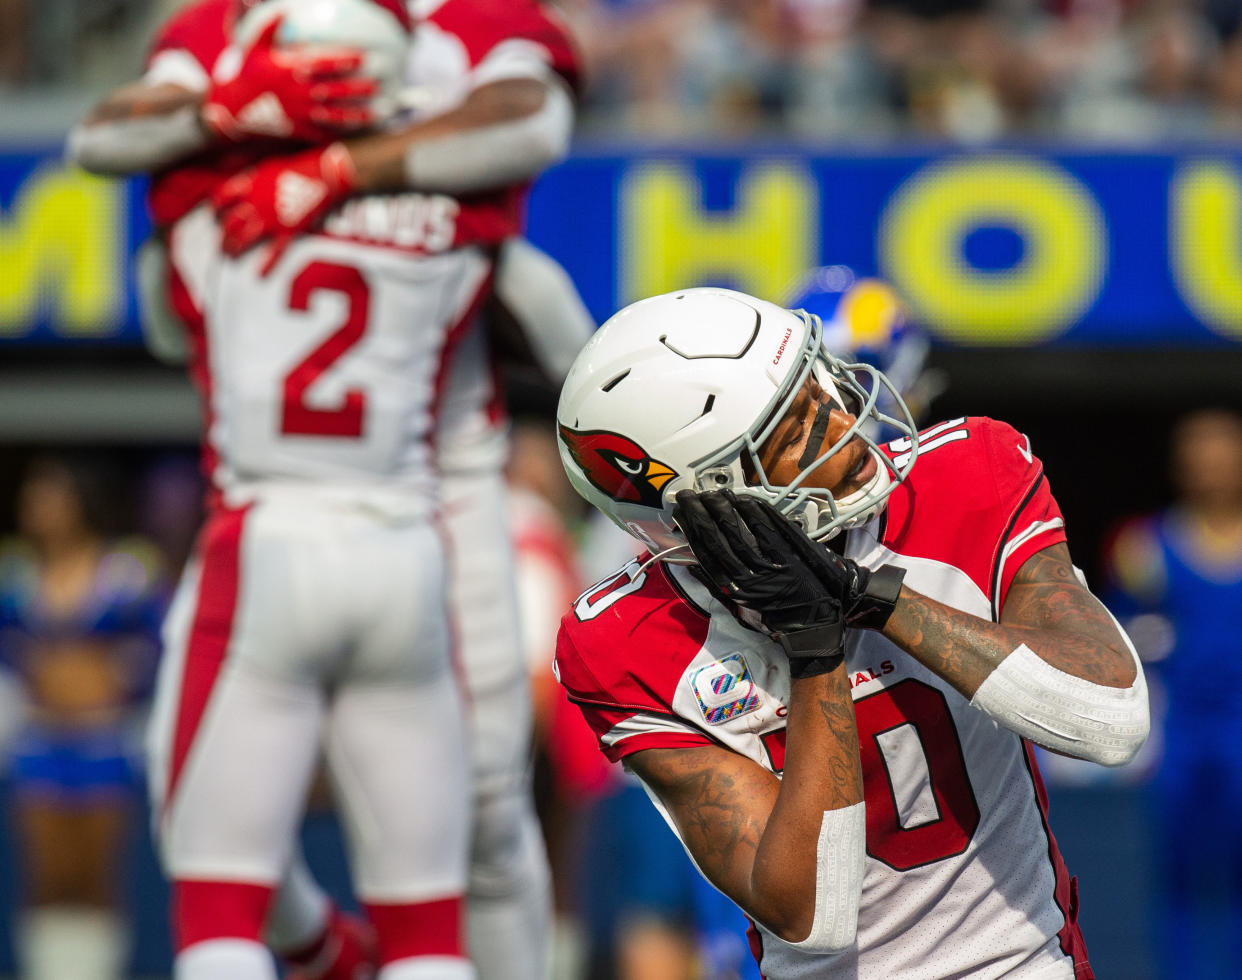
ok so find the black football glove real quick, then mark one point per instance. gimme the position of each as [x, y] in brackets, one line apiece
[867, 597]
[746, 559]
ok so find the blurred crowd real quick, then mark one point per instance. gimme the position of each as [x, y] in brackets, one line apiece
[1121, 71]
[962, 70]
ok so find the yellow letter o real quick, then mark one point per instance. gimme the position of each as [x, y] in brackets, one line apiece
[1057, 278]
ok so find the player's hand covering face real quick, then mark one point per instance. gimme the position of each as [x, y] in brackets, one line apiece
[754, 559]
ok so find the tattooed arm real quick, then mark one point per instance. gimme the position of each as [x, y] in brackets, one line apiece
[756, 837]
[1056, 669]
[1048, 609]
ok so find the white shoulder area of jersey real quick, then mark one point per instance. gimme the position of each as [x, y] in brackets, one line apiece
[515, 58]
[177, 66]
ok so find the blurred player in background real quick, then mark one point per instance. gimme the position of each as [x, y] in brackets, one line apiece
[79, 617]
[905, 662]
[865, 320]
[568, 771]
[315, 606]
[497, 75]
[1181, 571]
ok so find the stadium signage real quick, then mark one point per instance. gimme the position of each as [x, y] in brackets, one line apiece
[989, 248]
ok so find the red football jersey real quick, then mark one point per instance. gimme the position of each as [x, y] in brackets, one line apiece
[458, 45]
[184, 51]
[963, 876]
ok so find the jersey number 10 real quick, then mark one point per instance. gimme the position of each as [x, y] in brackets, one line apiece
[921, 807]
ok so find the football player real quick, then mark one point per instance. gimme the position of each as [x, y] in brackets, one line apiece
[829, 671]
[497, 75]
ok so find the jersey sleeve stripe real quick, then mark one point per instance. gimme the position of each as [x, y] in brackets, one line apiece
[1046, 537]
[1020, 541]
[998, 565]
[650, 723]
[626, 730]
[640, 741]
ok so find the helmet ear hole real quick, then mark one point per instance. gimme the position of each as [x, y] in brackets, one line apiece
[718, 478]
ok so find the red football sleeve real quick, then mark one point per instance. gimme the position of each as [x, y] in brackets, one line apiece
[1034, 520]
[200, 28]
[481, 25]
[603, 712]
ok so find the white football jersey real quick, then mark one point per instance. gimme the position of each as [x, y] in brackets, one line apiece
[963, 877]
[329, 391]
[328, 375]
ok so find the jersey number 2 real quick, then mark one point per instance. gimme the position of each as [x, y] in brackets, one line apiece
[344, 421]
[909, 746]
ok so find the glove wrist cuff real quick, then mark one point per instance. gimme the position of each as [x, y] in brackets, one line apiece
[814, 666]
[876, 603]
[812, 642]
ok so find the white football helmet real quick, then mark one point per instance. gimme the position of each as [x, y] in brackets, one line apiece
[379, 29]
[673, 392]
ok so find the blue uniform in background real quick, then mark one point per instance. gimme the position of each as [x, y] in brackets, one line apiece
[1192, 607]
[76, 759]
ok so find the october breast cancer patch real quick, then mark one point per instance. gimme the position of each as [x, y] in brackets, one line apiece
[724, 689]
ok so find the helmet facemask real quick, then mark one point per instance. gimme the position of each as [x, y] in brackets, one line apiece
[738, 466]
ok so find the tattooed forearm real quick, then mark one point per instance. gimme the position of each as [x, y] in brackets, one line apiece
[842, 772]
[1047, 609]
[720, 802]
[753, 835]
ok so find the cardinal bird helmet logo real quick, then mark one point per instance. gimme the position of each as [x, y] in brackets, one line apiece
[618, 466]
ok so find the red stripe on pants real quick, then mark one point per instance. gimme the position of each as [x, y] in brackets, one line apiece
[220, 549]
[418, 929]
[204, 910]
